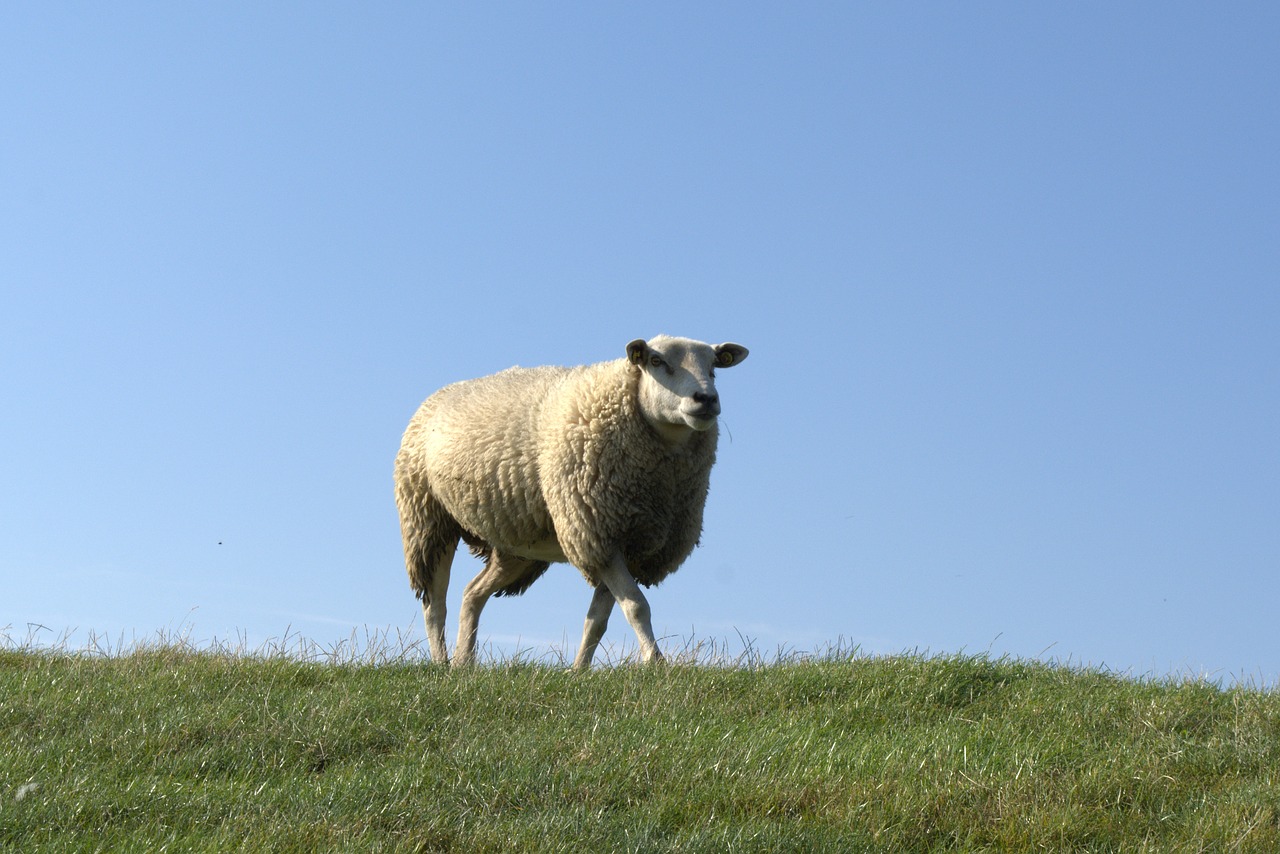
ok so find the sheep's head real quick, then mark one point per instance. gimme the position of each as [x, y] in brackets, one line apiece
[678, 381]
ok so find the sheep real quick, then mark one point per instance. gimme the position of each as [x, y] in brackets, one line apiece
[603, 466]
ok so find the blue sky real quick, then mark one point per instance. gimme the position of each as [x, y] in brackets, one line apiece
[1009, 275]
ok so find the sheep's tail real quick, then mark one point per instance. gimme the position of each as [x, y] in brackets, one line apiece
[430, 534]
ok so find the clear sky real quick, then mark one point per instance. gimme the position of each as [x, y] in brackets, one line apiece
[1009, 274]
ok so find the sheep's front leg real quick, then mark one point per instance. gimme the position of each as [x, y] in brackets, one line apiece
[597, 622]
[634, 606]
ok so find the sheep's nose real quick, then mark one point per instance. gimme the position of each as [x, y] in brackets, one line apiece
[706, 398]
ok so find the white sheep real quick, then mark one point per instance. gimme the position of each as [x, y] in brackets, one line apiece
[605, 466]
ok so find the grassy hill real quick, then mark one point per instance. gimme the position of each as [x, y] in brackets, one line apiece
[170, 748]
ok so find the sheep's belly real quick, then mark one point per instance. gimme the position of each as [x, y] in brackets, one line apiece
[548, 550]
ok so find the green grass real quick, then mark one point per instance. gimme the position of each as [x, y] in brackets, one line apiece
[173, 748]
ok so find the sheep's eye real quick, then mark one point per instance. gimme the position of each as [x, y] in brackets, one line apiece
[656, 361]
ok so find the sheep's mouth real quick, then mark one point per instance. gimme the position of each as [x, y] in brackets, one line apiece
[701, 419]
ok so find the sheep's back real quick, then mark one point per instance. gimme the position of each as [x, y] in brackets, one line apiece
[475, 441]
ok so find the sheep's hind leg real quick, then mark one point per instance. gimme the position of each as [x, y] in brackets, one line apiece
[597, 622]
[500, 570]
[634, 606]
[433, 606]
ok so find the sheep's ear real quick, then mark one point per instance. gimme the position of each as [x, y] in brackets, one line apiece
[637, 350]
[729, 354]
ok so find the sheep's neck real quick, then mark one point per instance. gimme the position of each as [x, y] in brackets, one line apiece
[672, 434]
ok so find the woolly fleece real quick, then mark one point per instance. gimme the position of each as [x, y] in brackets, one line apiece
[530, 457]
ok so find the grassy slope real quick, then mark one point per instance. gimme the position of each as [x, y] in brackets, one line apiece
[217, 752]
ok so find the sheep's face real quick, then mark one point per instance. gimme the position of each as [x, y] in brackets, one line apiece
[678, 380]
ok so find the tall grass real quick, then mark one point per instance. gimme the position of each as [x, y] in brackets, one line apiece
[363, 746]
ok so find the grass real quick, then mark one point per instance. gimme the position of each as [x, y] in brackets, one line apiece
[169, 747]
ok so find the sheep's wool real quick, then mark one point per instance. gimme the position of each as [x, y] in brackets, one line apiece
[531, 456]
